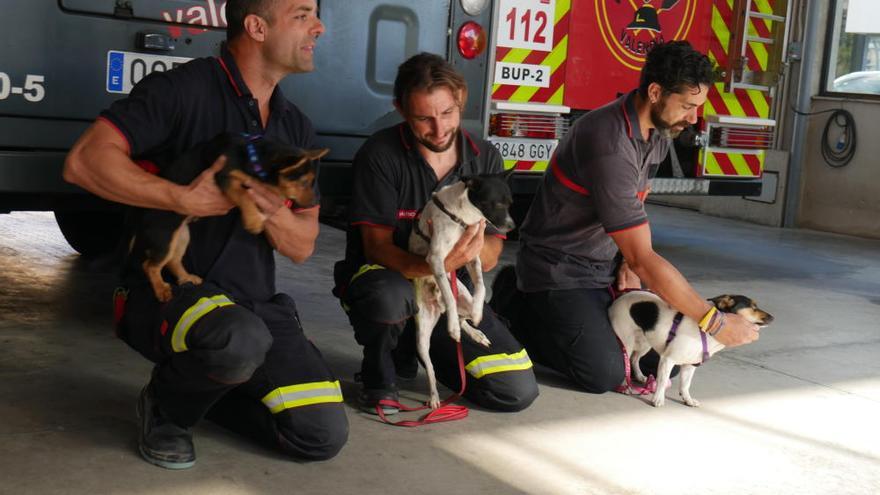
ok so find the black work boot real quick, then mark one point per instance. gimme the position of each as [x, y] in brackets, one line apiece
[162, 442]
[370, 397]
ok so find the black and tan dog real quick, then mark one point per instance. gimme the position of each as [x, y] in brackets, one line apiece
[163, 236]
[643, 321]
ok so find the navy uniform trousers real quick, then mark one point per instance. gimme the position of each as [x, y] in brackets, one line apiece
[246, 366]
[568, 331]
[381, 304]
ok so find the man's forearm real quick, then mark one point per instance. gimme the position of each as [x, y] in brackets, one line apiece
[293, 234]
[667, 282]
[392, 257]
[106, 171]
[492, 247]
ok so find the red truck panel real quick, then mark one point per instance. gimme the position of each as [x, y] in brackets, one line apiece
[608, 40]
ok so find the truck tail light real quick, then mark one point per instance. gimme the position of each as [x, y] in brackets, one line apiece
[729, 133]
[741, 138]
[471, 40]
[526, 125]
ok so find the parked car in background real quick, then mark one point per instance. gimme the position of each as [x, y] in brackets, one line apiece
[866, 82]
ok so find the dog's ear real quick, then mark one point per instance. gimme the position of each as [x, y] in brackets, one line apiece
[317, 154]
[723, 302]
[471, 181]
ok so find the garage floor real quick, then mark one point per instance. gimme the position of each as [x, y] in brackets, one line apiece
[794, 413]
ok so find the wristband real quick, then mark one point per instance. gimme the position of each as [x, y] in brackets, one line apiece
[706, 321]
[719, 327]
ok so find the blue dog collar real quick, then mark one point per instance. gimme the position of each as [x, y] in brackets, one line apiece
[254, 157]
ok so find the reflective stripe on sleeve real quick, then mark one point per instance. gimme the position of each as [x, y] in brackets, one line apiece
[202, 307]
[497, 363]
[303, 394]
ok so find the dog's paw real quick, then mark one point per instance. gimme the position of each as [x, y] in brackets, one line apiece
[434, 402]
[480, 338]
[474, 334]
[164, 293]
[190, 278]
[691, 401]
[659, 398]
[254, 227]
[639, 376]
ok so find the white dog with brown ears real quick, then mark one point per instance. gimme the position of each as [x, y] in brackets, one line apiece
[440, 225]
[643, 321]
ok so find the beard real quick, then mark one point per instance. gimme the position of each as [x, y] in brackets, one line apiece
[664, 127]
[438, 148]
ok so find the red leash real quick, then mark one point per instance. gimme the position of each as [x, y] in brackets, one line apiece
[446, 411]
[629, 388]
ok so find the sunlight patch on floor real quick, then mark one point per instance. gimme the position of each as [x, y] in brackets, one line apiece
[809, 441]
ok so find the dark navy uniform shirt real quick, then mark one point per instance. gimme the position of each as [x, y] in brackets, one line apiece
[168, 113]
[392, 182]
[596, 185]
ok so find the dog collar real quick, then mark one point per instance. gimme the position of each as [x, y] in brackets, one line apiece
[672, 332]
[442, 208]
[449, 213]
[254, 157]
[419, 232]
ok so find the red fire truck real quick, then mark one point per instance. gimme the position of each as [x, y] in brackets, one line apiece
[556, 59]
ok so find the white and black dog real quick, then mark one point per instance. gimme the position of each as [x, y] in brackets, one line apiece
[643, 321]
[440, 225]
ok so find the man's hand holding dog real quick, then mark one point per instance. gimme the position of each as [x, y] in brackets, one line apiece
[202, 197]
[737, 331]
[467, 248]
[626, 278]
[268, 201]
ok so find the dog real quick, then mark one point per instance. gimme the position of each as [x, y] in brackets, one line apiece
[162, 236]
[440, 225]
[643, 321]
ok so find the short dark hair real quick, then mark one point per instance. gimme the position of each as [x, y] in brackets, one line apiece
[426, 72]
[676, 66]
[237, 10]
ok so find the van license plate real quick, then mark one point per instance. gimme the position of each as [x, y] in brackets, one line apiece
[525, 150]
[125, 69]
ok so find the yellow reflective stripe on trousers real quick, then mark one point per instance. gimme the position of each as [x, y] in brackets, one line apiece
[497, 363]
[202, 307]
[304, 394]
[364, 269]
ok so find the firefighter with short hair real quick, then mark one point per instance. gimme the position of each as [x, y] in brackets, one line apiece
[232, 348]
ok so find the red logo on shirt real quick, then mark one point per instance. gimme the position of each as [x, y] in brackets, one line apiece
[407, 214]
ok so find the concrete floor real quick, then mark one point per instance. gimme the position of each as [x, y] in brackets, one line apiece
[795, 412]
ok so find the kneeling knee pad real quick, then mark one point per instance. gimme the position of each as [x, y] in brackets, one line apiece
[381, 296]
[317, 432]
[232, 342]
